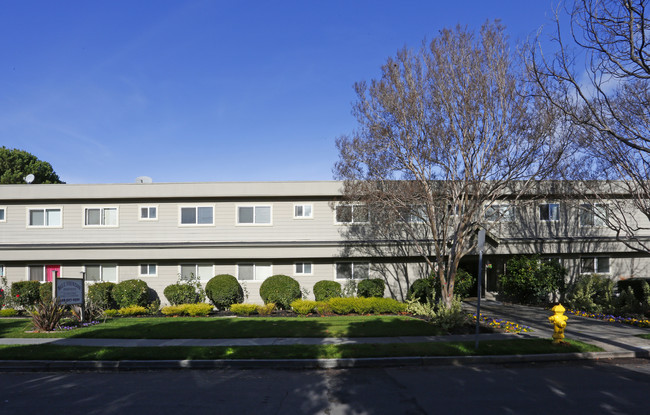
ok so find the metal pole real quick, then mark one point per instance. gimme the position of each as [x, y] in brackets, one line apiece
[480, 245]
[54, 291]
[83, 296]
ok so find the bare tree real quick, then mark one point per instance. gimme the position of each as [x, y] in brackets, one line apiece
[449, 138]
[599, 78]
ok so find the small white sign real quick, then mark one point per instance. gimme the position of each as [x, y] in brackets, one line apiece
[70, 291]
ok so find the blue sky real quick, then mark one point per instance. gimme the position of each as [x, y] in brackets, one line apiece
[187, 91]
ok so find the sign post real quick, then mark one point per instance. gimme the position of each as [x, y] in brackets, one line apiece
[480, 246]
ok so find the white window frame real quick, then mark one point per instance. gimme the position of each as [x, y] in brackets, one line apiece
[353, 264]
[353, 206]
[589, 209]
[506, 213]
[255, 265]
[548, 212]
[44, 209]
[148, 218]
[3, 209]
[303, 216]
[196, 207]
[302, 265]
[148, 265]
[413, 218]
[596, 260]
[102, 216]
[196, 266]
[101, 272]
[3, 271]
[254, 206]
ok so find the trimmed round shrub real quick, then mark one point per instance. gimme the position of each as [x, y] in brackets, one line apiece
[45, 292]
[373, 287]
[181, 294]
[326, 289]
[281, 290]
[131, 293]
[101, 295]
[26, 293]
[422, 290]
[223, 291]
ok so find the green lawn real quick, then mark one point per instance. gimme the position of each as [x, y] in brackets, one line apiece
[496, 347]
[221, 328]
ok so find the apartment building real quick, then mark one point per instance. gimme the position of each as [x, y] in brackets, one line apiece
[162, 232]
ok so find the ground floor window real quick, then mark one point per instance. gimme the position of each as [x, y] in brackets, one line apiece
[352, 270]
[303, 268]
[594, 265]
[257, 271]
[148, 270]
[101, 273]
[203, 271]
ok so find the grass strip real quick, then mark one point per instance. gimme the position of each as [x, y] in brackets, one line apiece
[231, 328]
[494, 347]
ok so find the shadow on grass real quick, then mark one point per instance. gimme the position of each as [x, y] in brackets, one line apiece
[10, 327]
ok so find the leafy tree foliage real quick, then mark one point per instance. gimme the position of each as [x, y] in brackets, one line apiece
[16, 164]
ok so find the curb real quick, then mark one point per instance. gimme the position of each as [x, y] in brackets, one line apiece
[284, 364]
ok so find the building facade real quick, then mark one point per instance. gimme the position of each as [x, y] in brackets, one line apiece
[163, 232]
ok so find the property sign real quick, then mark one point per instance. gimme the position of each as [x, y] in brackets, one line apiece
[70, 291]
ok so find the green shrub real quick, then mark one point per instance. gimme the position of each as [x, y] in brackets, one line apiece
[243, 309]
[342, 305]
[26, 294]
[134, 310]
[372, 287]
[387, 306]
[281, 290]
[8, 312]
[45, 292]
[422, 290]
[181, 294]
[111, 312]
[131, 293]
[173, 310]
[198, 309]
[101, 295]
[324, 308]
[266, 309]
[641, 290]
[528, 280]
[326, 289]
[304, 307]
[464, 284]
[592, 293]
[362, 305]
[223, 291]
[439, 314]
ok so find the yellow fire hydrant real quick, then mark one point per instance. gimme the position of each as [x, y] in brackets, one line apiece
[559, 322]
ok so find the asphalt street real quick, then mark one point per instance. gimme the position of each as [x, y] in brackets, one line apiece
[575, 388]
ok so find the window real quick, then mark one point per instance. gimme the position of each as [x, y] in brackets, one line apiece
[148, 212]
[197, 215]
[549, 212]
[101, 273]
[593, 215]
[3, 214]
[253, 271]
[105, 216]
[36, 273]
[302, 211]
[352, 214]
[352, 270]
[594, 265]
[148, 270]
[46, 217]
[202, 271]
[254, 215]
[303, 268]
[2, 271]
[500, 213]
[413, 214]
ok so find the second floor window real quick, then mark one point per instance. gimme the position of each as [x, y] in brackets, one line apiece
[47, 217]
[101, 216]
[593, 215]
[302, 211]
[352, 214]
[3, 216]
[500, 213]
[148, 213]
[549, 212]
[197, 215]
[254, 215]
